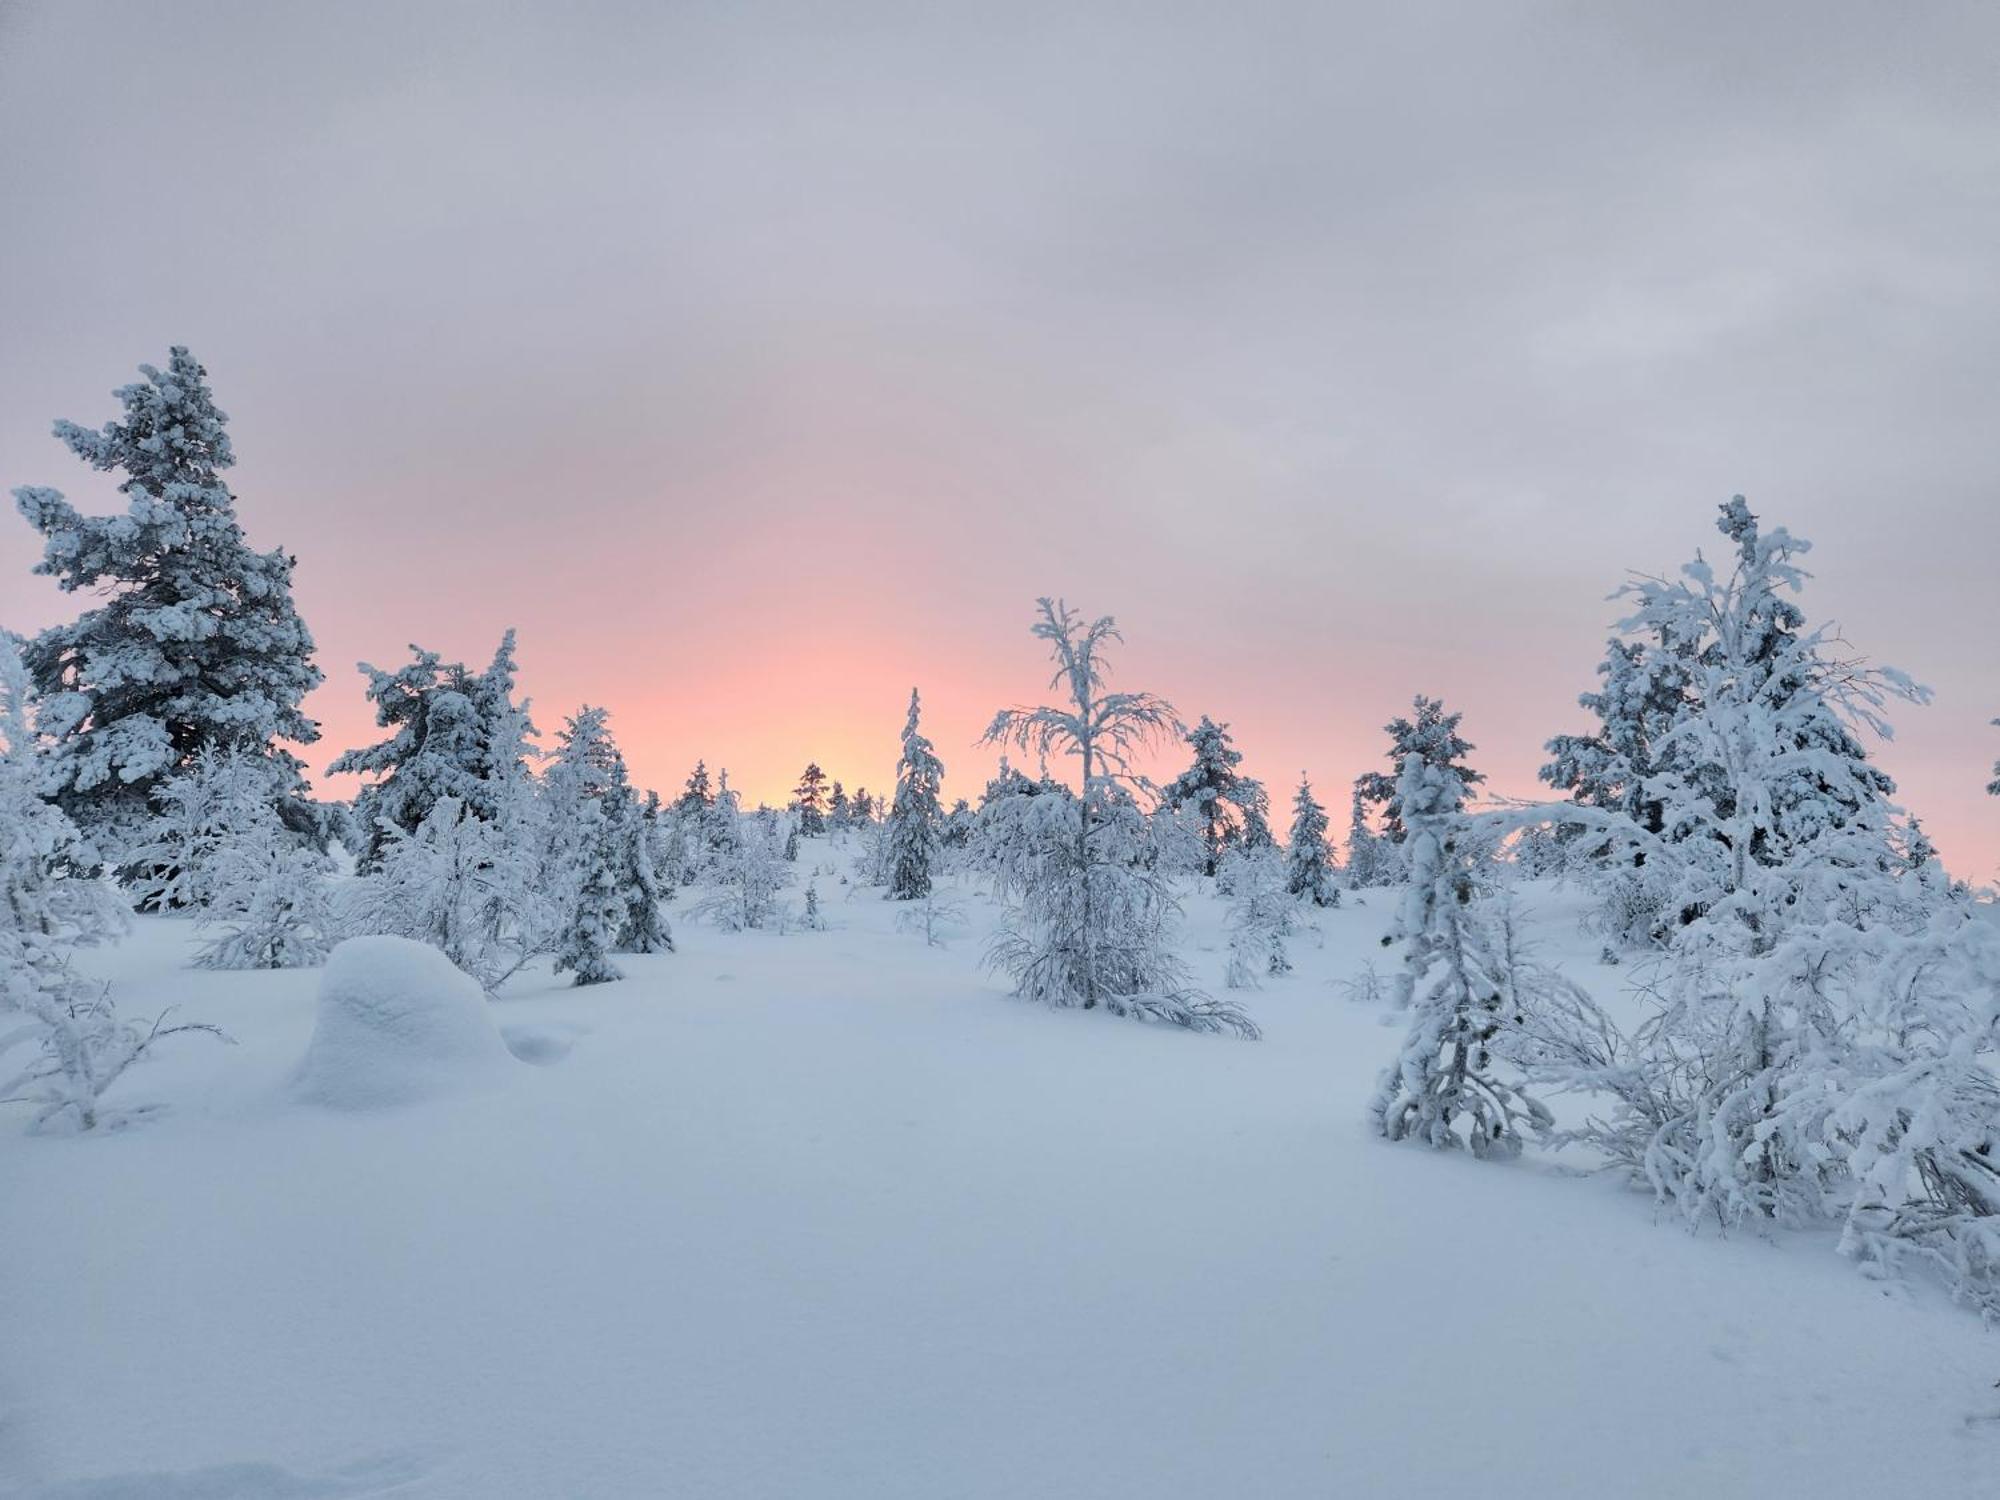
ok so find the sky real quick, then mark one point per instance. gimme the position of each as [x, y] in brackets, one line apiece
[759, 362]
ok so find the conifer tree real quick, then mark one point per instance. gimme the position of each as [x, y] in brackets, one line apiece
[596, 906]
[915, 816]
[455, 733]
[697, 796]
[1229, 807]
[838, 813]
[810, 801]
[1308, 868]
[1371, 859]
[1455, 975]
[642, 923]
[1432, 734]
[197, 644]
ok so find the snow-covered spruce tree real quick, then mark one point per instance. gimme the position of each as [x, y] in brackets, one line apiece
[1228, 806]
[460, 884]
[197, 644]
[62, 1042]
[1308, 867]
[1089, 919]
[697, 796]
[1456, 981]
[455, 733]
[809, 801]
[1371, 859]
[956, 830]
[1432, 734]
[595, 865]
[593, 904]
[1784, 841]
[1646, 686]
[837, 810]
[915, 816]
[1262, 914]
[642, 923]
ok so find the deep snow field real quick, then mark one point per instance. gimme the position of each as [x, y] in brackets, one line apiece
[826, 1214]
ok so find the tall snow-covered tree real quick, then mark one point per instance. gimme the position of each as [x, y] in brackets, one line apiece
[590, 826]
[915, 816]
[642, 924]
[809, 800]
[455, 733]
[1780, 819]
[1230, 807]
[594, 907]
[1432, 734]
[1308, 867]
[1089, 921]
[1455, 980]
[837, 809]
[196, 644]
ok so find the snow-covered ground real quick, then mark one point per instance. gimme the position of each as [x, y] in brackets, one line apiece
[825, 1214]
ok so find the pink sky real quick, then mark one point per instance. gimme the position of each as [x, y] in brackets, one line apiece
[758, 366]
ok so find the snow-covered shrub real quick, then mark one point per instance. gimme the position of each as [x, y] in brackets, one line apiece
[62, 1041]
[935, 917]
[1262, 914]
[225, 796]
[1089, 919]
[271, 901]
[747, 877]
[458, 884]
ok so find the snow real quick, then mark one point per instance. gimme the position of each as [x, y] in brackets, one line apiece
[825, 1214]
[397, 1023]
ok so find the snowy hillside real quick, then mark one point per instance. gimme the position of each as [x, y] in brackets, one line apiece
[826, 1214]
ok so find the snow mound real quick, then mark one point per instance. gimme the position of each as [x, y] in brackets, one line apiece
[397, 1022]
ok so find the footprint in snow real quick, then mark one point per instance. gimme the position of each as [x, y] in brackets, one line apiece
[542, 1043]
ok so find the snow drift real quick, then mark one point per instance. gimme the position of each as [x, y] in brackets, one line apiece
[397, 1023]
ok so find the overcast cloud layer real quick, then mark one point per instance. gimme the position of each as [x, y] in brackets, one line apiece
[760, 361]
